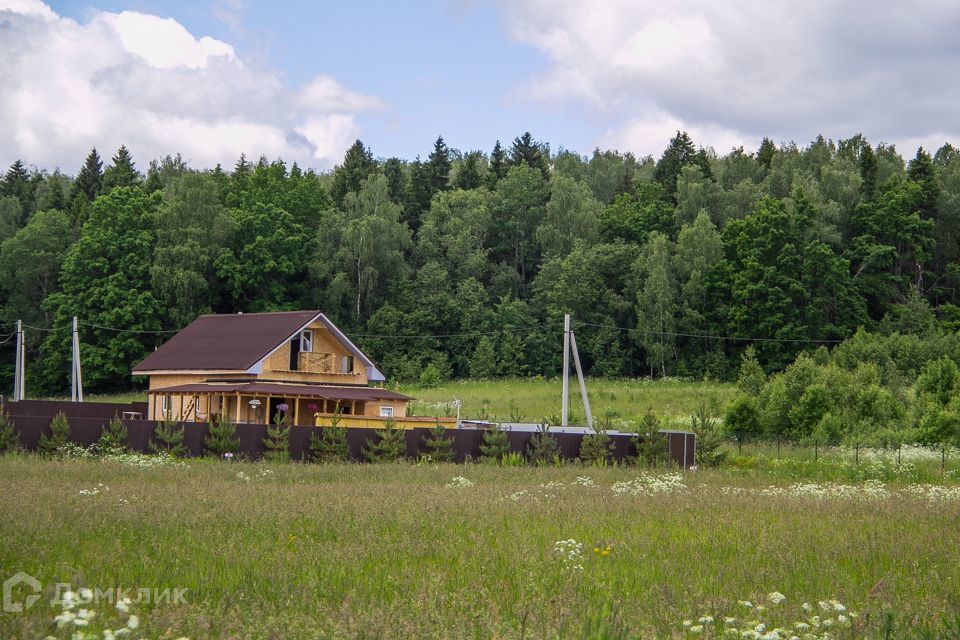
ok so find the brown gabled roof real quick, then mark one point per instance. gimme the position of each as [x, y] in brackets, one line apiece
[232, 342]
[283, 389]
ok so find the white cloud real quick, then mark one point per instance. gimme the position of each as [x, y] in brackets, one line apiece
[147, 82]
[736, 72]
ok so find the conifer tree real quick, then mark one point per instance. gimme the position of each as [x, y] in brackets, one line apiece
[651, 445]
[8, 436]
[418, 194]
[922, 171]
[59, 436]
[113, 438]
[438, 445]
[596, 448]
[498, 166]
[528, 151]
[468, 174]
[89, 180]
[358, 165]
[390, 445]
[331, 443]
[439, 163]
[766, 152]
[393, 169]
[678, 154]
[495, 445]
[277, 443]
[483, 361]
[16, 183]
[222, 438]
[122, 173]
[168, 438]
[543, 448]
[751, 377]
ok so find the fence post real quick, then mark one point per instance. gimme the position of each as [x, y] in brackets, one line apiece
[778, 448]
[943, 459]
[856, 457]
[816, 450]
[899, 447]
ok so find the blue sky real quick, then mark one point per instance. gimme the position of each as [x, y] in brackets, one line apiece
[301, 80]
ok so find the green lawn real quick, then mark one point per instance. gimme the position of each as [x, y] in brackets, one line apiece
[405, 551]
[530, 400]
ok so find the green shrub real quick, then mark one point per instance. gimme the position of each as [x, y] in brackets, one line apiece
[59, 436]
[168, 438]
[221, 439]
[390, 445]
[751, 377]
[709, 438]
[742, 418]
[543, 448]
[329, 444]
[113, 438]
[596, 448]
[651, 445]
[938, 380]
[8, 436]
[277, 443]
[494, 445]
[438, 445]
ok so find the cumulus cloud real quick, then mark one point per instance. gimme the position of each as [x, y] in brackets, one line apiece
[147, 82]
[732, 73]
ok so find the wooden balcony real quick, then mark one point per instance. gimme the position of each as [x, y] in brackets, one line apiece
[318, 363]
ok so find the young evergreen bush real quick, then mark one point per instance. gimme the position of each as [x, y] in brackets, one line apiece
[438, 445]
[8, 436]
[113, 438]
[495, 445]
[222, 438]
[596, 448]
[59, 436]
[168, 438]
[651, 445]
[329, 444]
[277, 443]
[390, 445]
[543, 448]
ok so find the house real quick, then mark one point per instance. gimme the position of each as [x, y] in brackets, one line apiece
[247, 367]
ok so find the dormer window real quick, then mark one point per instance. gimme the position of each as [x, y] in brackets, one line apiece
[306, 341]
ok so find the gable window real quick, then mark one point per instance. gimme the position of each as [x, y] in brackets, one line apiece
[386, 411]
[346, 364]
[306, 341]
[165, 406]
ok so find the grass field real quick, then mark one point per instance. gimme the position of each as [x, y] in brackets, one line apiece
[400, 550]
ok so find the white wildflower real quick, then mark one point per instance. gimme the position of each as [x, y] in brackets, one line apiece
[776, 597]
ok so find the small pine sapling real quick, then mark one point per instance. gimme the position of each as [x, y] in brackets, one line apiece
[651, 445]
[438, 445]
[277, 443]
[221, 439]
[709, 438]
[59, 436]
[390, 446]
[8, 436]
[113, 438]
[168, 438]
[495, 445]
[543, 448]
[596, 448]
[331, 443]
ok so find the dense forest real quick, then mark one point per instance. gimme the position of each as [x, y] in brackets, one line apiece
[464, 263]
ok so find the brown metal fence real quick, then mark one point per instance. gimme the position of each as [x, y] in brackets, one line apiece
[32, 418]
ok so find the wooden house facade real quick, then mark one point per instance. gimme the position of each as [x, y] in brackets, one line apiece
[249, 367]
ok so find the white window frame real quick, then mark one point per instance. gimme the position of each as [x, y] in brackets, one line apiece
[343, 364]
[166, 406]
[386, 411]
[306, 341]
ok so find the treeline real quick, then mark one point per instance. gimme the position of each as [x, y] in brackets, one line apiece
[463, 264]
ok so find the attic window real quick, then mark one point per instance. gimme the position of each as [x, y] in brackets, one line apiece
[346, 364]
[306, 341]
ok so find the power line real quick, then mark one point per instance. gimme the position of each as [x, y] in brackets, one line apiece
[455, 335]
[712, 337]
[152, 331]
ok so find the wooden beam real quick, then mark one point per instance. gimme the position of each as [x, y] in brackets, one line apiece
[238, 407]
[296, 410]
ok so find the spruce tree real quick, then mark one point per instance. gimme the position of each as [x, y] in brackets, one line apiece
[16, 183]
[113, 438]
[393, 169]
[596, 448]
[543, 448]
[468, 174]
[418, 194]
[678, 154]
[438, 444]
[922, 171]
[8, 436]
[439, 163]
[122, 173]
[222, 438]
[277, 443]
[528, 151]
[168, 438]
[498, 166]
[390, 445]
[89, 180]
[331, 443]
[766, 152]
[751, 377]
[651, 445]
[495, 445]
[59, 436]
[358, 165]
[483, 361]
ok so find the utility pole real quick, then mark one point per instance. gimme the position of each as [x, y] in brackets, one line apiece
[18, 365]
[76, 379]
[570, 342]
[566, 371]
